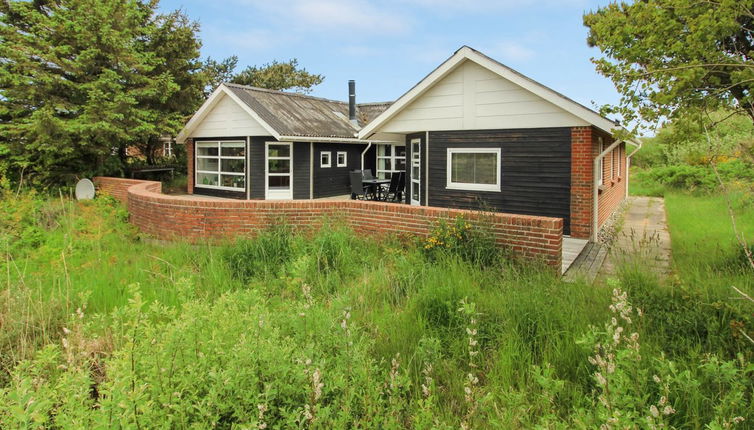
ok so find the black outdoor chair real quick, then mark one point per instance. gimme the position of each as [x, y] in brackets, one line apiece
[358, 190]
[368, 174]
[401, 186]
[392, 190]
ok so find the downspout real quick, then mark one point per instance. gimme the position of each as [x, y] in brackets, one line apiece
[363, 153]
[628, 161]
[595, 188]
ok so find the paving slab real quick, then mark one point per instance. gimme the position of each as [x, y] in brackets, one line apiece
[644, 234]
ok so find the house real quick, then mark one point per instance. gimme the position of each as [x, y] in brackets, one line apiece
[472, 134]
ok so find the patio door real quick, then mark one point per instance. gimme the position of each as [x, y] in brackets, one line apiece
[416, 172]
[279, 178]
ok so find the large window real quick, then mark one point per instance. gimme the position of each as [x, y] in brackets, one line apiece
[390, 159]
[221, 165]
[474, 169]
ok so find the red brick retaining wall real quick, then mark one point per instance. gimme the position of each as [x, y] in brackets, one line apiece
[187, 218]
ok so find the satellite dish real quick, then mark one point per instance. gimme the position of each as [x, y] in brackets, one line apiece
[84, 190]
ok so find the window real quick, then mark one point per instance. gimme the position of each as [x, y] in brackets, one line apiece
[390, 159]
[342, 159]
[619, 159]
[474, 169]
[601, 162]
[324, 159]
[221, 165]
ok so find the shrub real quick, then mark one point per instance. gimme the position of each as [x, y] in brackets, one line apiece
[699, 178]
[474, 243]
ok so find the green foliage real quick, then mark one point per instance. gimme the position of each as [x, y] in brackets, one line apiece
[265, 255]
[694, 178]
[279, 76]
[668, 56]
[472, 243]
[217, 72]
[80, 79]
[329, 329]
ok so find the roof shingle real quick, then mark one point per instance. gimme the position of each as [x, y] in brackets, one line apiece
[292, 114]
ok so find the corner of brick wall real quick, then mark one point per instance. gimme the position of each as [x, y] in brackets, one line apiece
[582, 155]
[190, 168]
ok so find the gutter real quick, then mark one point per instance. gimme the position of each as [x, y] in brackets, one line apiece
[369, 145]
[628, 160]
[330, 139]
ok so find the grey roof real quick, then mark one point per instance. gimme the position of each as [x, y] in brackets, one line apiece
[293, 114]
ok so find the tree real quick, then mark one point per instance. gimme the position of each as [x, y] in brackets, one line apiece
[279, 76]
[80, 79]
[668, 56]
[217, 72]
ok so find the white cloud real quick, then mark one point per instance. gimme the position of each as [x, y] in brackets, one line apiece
[512, 51]
[334, 15]
[486, 5]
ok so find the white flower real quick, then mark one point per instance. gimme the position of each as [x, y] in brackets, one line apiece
[668, 410]
[653, 410]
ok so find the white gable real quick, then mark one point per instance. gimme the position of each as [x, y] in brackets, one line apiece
[228, 118]
[473, 97]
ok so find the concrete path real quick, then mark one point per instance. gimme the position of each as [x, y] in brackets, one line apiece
[643, 238]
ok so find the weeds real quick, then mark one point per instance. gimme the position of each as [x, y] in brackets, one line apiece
[333, 330]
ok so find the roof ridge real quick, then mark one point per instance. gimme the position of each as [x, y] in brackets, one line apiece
[285, 93]
[374, 103]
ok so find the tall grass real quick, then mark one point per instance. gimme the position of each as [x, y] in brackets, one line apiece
[323, 330]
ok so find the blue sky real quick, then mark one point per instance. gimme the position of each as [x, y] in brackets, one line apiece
[388, 46]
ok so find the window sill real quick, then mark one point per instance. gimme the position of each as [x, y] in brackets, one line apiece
[473, 187]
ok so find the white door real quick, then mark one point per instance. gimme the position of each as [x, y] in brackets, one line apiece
[279, 178]
[416, 170]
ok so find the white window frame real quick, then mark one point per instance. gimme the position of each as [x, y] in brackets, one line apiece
[472, 187]
[601, 161]
[393, 159]
[322, 163]
[620, 169]
[276, 194]
[345, 159]
[219, 157]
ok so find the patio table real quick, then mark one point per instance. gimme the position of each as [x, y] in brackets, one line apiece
[376, 183]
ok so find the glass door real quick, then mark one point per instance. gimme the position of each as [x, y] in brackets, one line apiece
[279, 178]
[416, 156]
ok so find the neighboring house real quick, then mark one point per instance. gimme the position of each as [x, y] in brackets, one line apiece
[472, 134]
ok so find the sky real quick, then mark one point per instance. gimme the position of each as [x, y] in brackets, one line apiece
[388, 46]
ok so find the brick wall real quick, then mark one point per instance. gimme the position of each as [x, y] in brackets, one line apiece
[584, 148]
[613, 189]
[195, 219]
[582, 156]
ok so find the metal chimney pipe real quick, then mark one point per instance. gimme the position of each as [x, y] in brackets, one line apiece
[352, 102]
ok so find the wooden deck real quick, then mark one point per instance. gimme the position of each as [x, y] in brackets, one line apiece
[572, 248]
[587, 263]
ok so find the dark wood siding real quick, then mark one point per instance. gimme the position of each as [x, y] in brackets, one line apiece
[301, 170]
[422, 196]
[241, 194]
[333, 180]
[257, 168]
[535, 171]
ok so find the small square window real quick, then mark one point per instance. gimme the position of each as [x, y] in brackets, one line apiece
[342, 159]
[324, 159]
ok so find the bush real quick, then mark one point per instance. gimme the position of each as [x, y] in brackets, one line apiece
[699, 178]
[474, 243]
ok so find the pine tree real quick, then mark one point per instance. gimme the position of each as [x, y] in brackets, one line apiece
[81, 80]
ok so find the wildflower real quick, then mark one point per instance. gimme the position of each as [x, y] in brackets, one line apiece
[668, 410]
[656, 378]
[653, 410]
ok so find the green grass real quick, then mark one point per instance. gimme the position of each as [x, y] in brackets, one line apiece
[173, 335]
[704, 248]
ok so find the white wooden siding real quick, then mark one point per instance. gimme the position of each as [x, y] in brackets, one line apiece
[473, 97]
[226, 119]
